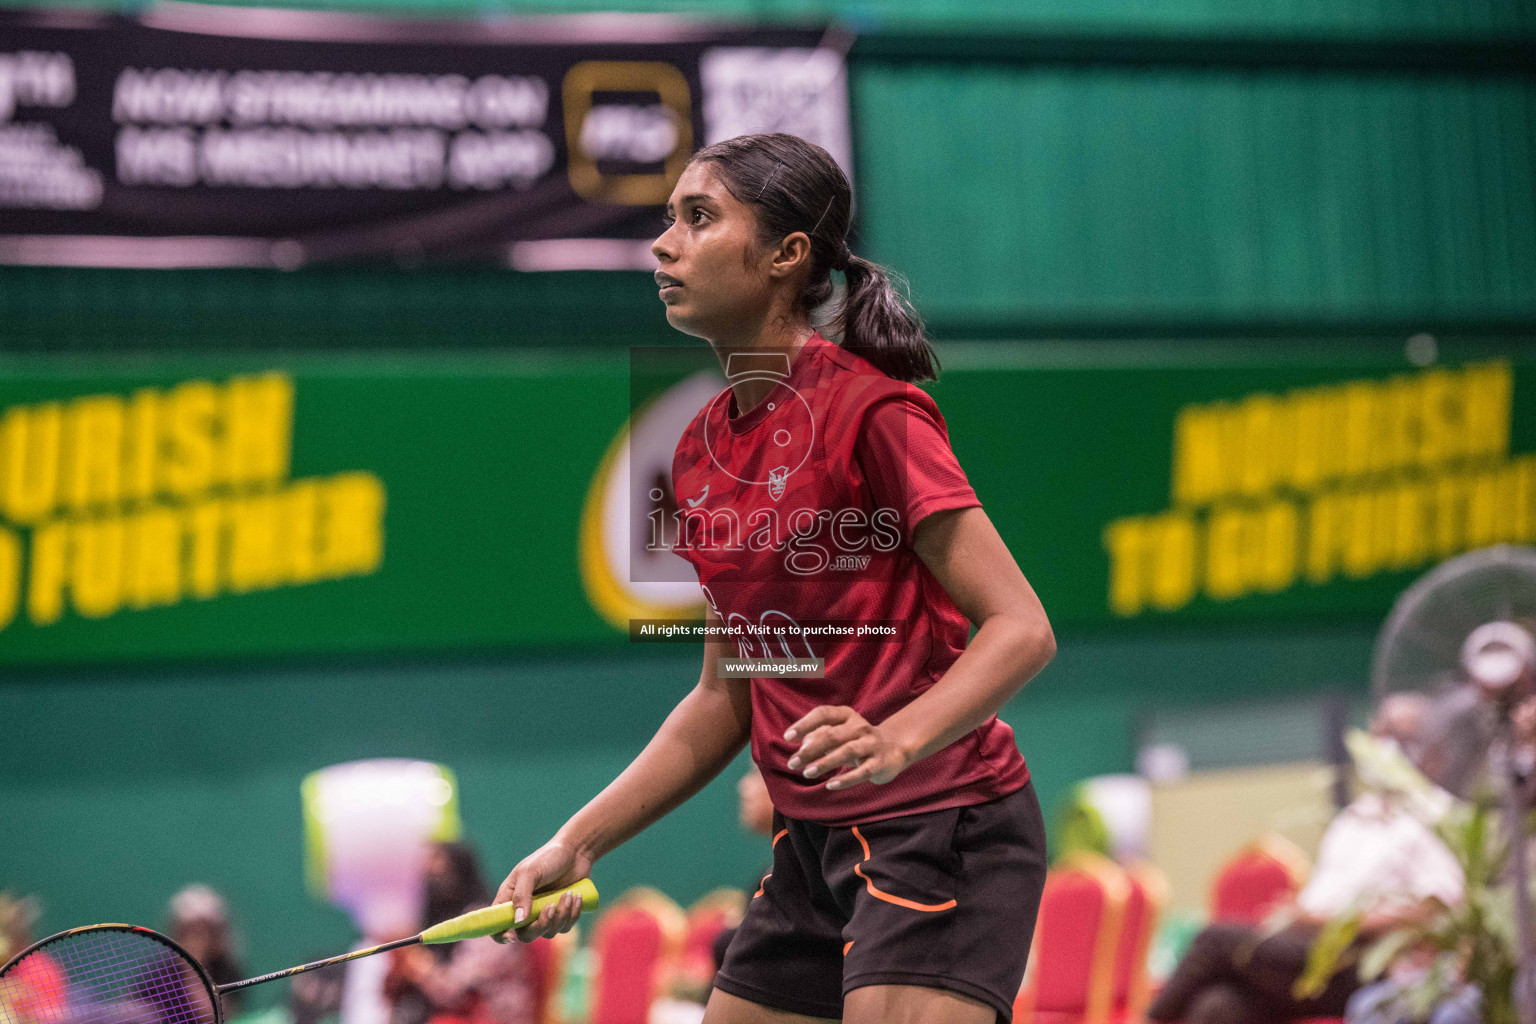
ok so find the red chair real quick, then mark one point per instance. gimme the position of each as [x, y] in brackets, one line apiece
[1264, 875]
[637, 941]
[710, 915]
[1077, 937]
[1145, 899]
[550, 957]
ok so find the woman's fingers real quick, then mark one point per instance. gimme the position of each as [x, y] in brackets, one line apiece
[517, 891]
[847, 755]
[573, 912]
[857, 776]
[825, 714]
[552, 865]
[558, 917]
[840, 737]
[824, 738]
[539, 929]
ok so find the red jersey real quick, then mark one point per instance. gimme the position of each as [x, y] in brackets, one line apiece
[801, 511]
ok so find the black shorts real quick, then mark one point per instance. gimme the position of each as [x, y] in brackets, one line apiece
[945, 899]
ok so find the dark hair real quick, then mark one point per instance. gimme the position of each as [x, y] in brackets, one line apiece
[462, 889]
[795, 185]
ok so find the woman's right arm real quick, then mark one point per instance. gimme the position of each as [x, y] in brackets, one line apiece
[702, 735]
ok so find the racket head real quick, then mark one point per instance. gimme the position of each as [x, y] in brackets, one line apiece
[107, 974]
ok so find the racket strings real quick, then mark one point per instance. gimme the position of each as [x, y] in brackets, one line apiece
[105, 976]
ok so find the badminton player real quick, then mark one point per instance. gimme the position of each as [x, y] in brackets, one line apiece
[908, 849]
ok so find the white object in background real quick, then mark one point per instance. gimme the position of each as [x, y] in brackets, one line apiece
[1163, 762]
[368, 826]
[1497, 654]
[362, 991]
[675, 1011]
[802, 92]
[1124, 802]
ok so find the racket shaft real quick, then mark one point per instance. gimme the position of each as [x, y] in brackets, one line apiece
[497, 919]
[473, 925]
[302, 968]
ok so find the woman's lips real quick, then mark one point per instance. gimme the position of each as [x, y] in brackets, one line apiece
[667, 284]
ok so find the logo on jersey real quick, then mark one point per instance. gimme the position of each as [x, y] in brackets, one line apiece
[777, 478]
[694, 502]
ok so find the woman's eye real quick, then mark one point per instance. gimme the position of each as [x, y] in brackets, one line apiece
[695, 217]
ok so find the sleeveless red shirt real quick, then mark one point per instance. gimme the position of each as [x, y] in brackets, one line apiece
[802, 510]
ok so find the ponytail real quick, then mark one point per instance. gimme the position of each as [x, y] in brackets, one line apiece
[878, 323]
[795, 185]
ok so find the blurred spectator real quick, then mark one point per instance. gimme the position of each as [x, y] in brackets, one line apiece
[1379, 1003]
[473, 982]
[16, 917]
[754, 809]
[34, 991]
[1368, 1006]
[316, 997]
[200, 923]
[1374, 854]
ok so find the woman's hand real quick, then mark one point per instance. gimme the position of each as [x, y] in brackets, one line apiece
[549, 867]
[838, 737]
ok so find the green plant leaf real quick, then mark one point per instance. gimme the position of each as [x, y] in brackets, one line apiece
[1499, 920]
[1383, 767]
[1380, 954]
[1476, 844]
[1326, 956]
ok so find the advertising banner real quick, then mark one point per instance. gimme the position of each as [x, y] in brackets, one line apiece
[194, 135]
[223, 508]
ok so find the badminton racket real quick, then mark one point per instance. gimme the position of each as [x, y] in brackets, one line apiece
[125, 974]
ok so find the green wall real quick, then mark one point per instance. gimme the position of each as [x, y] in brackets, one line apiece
[1136, 198]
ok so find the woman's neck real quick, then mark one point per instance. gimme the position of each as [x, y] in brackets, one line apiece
[776, 336]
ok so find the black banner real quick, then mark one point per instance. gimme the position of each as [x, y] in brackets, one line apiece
[194, 135]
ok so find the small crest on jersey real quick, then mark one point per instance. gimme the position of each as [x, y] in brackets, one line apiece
[777, 478]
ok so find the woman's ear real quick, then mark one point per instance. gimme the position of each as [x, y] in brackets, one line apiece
[792, 253]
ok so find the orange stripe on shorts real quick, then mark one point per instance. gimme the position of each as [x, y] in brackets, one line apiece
[927, 908]
[781, 835]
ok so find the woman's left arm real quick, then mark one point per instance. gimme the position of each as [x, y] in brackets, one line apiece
[1013, 642]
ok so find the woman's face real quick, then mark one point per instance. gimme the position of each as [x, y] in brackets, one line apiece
[714, 278]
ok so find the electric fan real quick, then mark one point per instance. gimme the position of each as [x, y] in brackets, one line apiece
[1463, 636]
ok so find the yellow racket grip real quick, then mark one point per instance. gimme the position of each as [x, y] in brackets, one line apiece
[497, 919]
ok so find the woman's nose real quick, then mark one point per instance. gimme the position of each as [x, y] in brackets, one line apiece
[662, 248]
